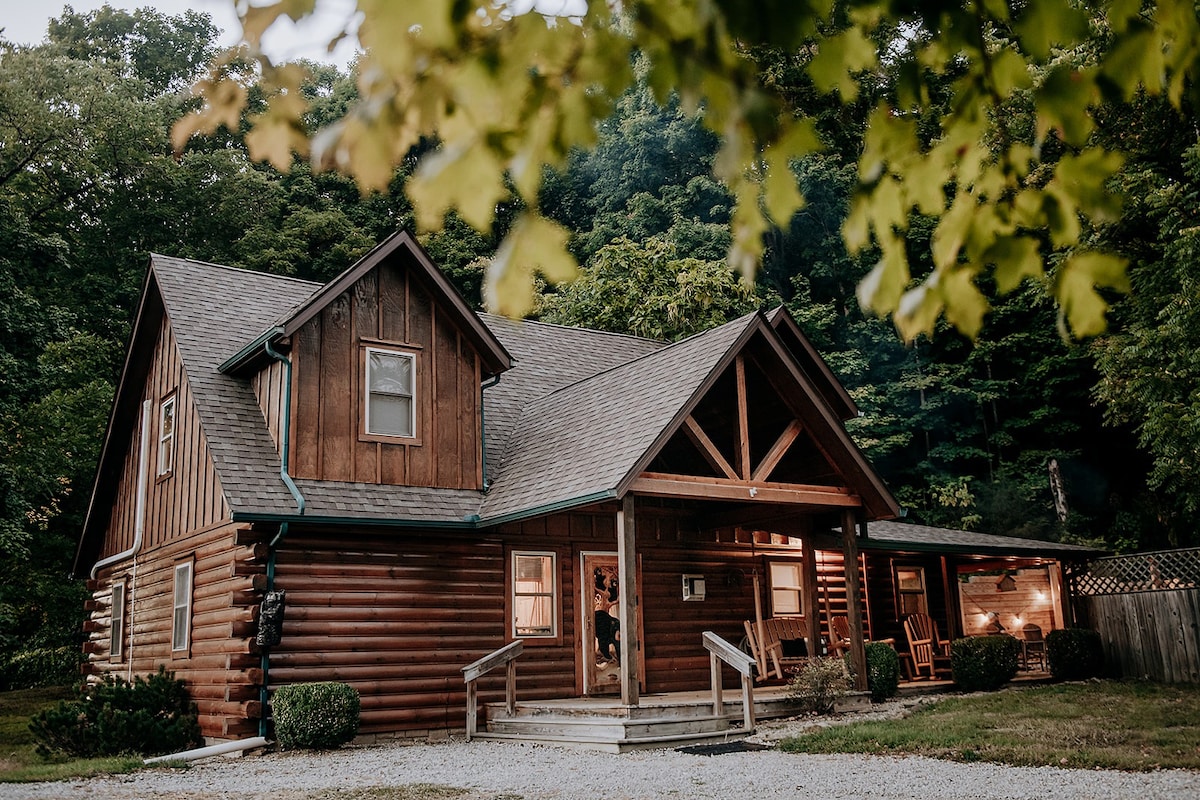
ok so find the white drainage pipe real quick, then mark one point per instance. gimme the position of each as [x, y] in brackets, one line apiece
[212, 750]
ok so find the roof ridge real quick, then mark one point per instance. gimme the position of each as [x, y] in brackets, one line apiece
[242, 270]
[582, 328]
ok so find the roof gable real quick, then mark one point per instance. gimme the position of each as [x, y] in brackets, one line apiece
[399, 246]
[812, 364]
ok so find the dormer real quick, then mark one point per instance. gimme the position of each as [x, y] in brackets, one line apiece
[386, 365]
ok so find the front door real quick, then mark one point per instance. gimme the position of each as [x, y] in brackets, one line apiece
[601, 641]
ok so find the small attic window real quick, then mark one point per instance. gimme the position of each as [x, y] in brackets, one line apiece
[391, 379]
[166, 436]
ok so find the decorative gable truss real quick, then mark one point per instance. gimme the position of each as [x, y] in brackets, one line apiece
[762, 433]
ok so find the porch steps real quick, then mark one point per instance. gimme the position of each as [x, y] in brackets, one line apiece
[603, 724]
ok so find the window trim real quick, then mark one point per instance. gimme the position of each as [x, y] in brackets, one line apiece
[182, 650]
[797, 588]
[117, 617]
[553, 595]
[900, 593]
[165, 468]
[365, 434]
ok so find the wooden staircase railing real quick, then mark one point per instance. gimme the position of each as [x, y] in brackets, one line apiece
[721, 650]
[507, 657]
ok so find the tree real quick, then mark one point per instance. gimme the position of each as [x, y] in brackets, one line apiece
[645, 289]
[508, 92]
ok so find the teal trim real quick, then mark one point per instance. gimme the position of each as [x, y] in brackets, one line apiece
[246, 516]
[549, 508]
[242, 356]
[285, 427]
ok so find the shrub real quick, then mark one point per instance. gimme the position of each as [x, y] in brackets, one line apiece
[1074, 654]
[818, 684]
[152, 716]
[883, 671]
[984, 663]
[315, 716]
[31, 669]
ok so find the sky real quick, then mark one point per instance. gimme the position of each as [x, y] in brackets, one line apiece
[25, 22]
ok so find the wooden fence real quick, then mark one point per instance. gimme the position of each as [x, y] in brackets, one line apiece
[1147, 610]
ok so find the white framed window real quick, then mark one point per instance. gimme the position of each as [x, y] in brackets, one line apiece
[534, 596]
[181, 618]
[391, 389]
[166, 436]
[786, 584]
[116, 633]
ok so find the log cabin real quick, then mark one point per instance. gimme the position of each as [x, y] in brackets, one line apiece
[427, 485]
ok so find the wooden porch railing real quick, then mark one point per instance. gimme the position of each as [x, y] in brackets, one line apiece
[721, 650]
[507, 657]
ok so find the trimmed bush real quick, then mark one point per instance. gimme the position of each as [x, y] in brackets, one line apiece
[984, 663]
[883, 671]
[818, 684]
[1074, 654]
[30, 669]
[315, 716]
[149, 717]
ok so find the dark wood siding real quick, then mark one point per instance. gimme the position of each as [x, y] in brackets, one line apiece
[386, 307]
[221, 667]
[187, 499]
[269, 388]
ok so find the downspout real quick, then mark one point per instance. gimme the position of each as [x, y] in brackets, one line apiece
[483, 426]
[285, 428]
[139, 527]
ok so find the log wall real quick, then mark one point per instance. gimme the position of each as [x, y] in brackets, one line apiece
[221, 665]
[880, 589]
[190, 497]
[388, 306]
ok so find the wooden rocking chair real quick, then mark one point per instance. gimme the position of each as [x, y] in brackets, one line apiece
[929, 651]
[839, 635]
[773, 653]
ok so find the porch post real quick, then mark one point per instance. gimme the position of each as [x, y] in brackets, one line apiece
[858, 652]
[627, 605]
[808, 592]
[953, 616]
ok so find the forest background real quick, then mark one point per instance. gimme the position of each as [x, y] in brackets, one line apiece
[963, 432]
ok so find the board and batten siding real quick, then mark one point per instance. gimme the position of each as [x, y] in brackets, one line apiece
[388, 306]
[220, 664]
[190, 497]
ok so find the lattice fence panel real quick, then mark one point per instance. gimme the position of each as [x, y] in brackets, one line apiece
[1141, 572]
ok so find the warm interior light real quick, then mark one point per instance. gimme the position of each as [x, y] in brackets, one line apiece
[1018, 621]
[984, 618]
[1040, 595]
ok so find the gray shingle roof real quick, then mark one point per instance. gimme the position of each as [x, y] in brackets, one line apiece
[892, 535]
[583, 439]
[214, 311]
[547, 357]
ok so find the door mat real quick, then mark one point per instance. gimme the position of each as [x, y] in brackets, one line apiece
[723, 748]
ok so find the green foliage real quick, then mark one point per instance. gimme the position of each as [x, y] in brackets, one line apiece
[150, 716]
[315, 716]
[28, 669]
[644, 289]
[883, 671]
[984, 663]
[818, 684]
[1074, 654]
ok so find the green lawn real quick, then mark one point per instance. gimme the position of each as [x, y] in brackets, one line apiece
[1108, 724]
[19, 763]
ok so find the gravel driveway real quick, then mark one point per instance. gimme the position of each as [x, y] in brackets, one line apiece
[506, 771]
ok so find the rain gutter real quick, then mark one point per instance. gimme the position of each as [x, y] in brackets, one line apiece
[285, 429]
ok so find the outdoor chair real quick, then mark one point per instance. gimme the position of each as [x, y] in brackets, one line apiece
[1033, 647]
[783, 645]
[839, 635]
[928, 650]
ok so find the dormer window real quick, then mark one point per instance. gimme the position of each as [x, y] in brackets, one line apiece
[391, 379]
[166, 436]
